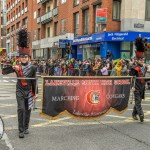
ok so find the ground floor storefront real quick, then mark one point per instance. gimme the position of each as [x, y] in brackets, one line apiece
[108, 44]
[52, 47]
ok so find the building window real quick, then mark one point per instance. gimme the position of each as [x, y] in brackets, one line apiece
[18, 25]
[76, 24]
[83, 1]
[34, 35]
[3, 19]
[39, 33]
[63, 1]
[26, 3]
[35, 15]
[63, 26]
[116, 9]
[25, 21]
[97, 26]
[48, 9]
[86, 21]
[39, 12]
[22, 6]
[3, 42]
[56, 2]
[3, 31]
[56, 29]
[17, 11]
[147, 13]
[48, 32]
[76, 2]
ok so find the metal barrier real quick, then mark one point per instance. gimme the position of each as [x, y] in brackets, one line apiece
[20, 78]
[147, 79]
[58, 71]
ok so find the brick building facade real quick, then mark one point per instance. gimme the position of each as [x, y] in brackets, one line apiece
[19, 15]
[3, 28]
[53, 23]
[48, 21]
[56, 21]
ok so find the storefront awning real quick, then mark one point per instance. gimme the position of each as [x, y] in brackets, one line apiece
[110, 37]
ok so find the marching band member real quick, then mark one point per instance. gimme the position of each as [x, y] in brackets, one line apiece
[139, 88]
[25, 88]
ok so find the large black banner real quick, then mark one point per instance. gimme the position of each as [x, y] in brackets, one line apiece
[84, 96]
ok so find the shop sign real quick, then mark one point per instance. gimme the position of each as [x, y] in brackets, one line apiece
[126, 36]
[110, 36]
[62, 43]
[83, 39]
[101, 15]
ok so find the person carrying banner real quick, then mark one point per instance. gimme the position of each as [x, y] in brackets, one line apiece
[138, 71]
[26, 91]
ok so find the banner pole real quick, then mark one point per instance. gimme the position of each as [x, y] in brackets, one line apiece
[133, 92]
[34, 104]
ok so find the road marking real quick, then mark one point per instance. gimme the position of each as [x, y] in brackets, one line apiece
[9, 116]
[5, 81]
[49, 122]
[91, 123]
[146, 104]
[115, 116]
[5, 85]
[7, 105]
[14, 81]
[7, 141]
[5, 77]
[146, 113]
[63, 124]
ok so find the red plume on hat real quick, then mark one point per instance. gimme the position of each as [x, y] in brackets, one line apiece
[23, 42]
[140, 44]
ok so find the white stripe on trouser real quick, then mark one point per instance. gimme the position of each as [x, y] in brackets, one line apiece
[30, 100]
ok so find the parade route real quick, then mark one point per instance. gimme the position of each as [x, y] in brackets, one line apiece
[75, 75]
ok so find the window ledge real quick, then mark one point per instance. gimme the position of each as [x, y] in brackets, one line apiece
[116, 20]
[76, 5]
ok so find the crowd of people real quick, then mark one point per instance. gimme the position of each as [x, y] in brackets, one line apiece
[75, 67]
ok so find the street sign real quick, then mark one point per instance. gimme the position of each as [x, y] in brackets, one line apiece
[101, 15]
[138, 25]
[62, 43]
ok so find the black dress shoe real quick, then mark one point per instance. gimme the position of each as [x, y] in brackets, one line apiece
[26, 131]
[134, 116]
[141, 118]
[21, 135]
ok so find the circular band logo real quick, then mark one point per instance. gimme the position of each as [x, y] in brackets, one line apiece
[1, 128]
[93, 97]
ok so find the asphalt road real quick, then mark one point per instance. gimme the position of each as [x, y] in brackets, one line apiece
[112, 132]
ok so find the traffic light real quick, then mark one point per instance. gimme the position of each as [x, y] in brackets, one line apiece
[67, 45]
[68, 48]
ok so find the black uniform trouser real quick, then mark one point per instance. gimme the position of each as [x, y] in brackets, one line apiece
[138, 99]
[23, 113]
